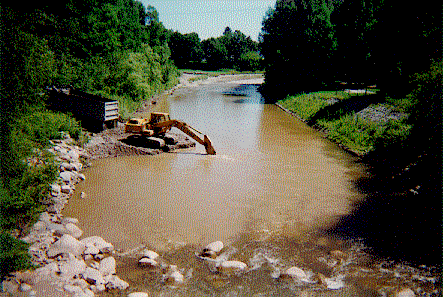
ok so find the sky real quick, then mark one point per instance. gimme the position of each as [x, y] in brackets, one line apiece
[209, 18]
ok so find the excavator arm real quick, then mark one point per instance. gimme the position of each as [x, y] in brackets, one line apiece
[192, 132]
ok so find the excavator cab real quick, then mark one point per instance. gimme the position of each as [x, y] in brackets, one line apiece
[158, 117]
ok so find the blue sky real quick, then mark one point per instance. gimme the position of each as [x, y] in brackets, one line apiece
[209, 18]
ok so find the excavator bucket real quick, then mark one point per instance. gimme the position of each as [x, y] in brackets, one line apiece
[208, 146]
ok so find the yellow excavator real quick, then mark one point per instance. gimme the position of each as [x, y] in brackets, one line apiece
[158, 123]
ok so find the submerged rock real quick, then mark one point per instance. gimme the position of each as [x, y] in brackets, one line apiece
[147, 262]
[212, 250]
[150, 254]
[405, 293]
[229, 267]
[138, 294]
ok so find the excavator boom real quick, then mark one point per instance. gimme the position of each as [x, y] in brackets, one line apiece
[160, 123]
[192, 132]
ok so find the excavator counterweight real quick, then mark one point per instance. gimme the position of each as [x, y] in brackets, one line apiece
[159, 123]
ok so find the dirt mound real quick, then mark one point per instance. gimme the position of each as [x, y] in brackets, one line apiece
[111, 143]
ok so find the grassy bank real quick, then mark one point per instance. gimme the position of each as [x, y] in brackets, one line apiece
[30, 173]
[344, 124]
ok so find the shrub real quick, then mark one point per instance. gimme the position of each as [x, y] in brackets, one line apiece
[41, 126]
[13, 255]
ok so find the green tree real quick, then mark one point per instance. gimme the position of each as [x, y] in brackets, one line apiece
[297, 43]
[216, 54]
[186, 49]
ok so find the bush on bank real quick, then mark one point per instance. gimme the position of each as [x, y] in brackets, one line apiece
[31, 171]
[346, 127]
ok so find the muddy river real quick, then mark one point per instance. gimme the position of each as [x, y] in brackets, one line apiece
[272, 188]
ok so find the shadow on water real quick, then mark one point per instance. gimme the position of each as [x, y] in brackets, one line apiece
[399, 220]
[247, 91]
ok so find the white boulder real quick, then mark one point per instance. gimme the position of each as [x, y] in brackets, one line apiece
[24, 287]
[138, 294]
[98, 242]
[150, 254]
[66, 244]
[73, 230]
[107, 266]
[177, 277]
[73, 154]
[405, 293]
[216, 246]
[67, 220]
[55, 189]
[334, 283]
[146, 262]
[296, 273]
[72, 268]
[65, 166]
[232, 267]
[66, 176]
[91, 250]
[114, 282]
[93, 276]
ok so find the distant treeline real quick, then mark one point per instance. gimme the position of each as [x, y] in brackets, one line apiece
[232, 50]
[308, 45]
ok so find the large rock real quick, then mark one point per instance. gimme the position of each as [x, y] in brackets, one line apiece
[150, 254]
[73, 230]
[216, 246]
[66, 244]
[93, 277]
[66, 176]
[10, 286]
[146, 262]
[73, 154]
[405, 293]
[138, 294]
[55, 189]
[229, 267]
[65, 166]
[296, 273]
[114, 282]
[72, 268]
[334, 283]
[107, 266]
[212, 249]
[98, 242]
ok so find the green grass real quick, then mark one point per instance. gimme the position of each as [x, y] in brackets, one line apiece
[355, 133]
[349, 130]
[307, 105]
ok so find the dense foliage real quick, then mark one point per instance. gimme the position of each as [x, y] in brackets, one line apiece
[232, 50]
[308, 44]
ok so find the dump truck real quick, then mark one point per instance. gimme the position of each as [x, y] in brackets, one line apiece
[158, 123]
[94, 111]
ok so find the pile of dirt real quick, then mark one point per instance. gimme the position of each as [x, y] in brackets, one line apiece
[113, 143]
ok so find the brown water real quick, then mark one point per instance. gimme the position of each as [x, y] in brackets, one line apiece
[273, 184]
